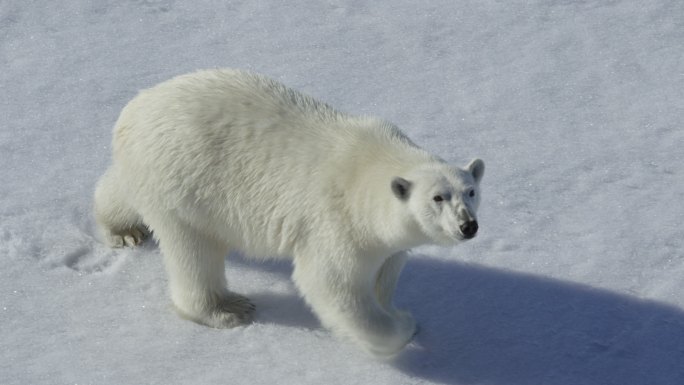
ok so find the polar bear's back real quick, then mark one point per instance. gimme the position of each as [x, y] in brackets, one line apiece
[227, 149]
[236, 106]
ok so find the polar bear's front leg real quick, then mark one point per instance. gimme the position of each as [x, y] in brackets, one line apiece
[386, 283]
[342, 294]
[196, 267]
[387, 279]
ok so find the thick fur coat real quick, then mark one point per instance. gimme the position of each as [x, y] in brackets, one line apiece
[224, 159]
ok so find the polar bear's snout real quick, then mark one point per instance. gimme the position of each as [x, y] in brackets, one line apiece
[468, 224]
[469, 229]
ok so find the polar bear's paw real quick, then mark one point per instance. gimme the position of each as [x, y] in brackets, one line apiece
[229, 311]
[232, 310]
[391, 342]
[128, 238]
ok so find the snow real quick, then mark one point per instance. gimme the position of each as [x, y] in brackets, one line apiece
[576, 107]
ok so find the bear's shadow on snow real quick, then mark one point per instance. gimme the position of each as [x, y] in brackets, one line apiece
[483, 325]
[286, 309]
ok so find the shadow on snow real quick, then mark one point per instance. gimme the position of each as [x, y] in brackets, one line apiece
[488, 326]
[482, 325]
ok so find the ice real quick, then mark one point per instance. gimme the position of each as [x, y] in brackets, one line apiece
[575, 278]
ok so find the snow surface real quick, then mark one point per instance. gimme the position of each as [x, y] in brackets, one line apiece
[576, 106]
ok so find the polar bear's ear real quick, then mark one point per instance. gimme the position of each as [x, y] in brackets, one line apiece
[476, 168]
[401, 188]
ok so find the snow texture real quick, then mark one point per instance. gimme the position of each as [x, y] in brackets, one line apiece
[576, 276]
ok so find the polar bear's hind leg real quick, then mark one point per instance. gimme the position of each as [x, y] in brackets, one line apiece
[118, 222]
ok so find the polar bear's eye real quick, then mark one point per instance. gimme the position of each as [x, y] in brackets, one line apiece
[471, 193]
[438, 198]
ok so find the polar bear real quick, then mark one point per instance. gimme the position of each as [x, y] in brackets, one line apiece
[222, 160]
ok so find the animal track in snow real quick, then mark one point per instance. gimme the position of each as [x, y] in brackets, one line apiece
[90, 259]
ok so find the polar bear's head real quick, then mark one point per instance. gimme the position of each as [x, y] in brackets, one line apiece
[443, 199]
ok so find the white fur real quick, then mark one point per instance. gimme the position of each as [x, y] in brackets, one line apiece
[223, 159]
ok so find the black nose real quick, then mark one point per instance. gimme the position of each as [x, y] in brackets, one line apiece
[469, 229]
